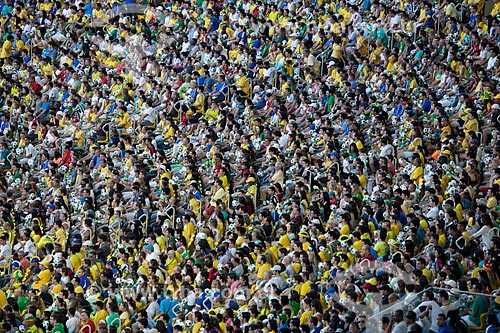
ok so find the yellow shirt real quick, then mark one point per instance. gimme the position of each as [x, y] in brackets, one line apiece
[56, 290]
[43, 278]
[170, 265]
[162, 242]
[417, 175]
[495, 10]
[305, 317]
[6, 49]
[100, 315]
[284, 241]
[188, 231]
[76, 261]
[262, 269]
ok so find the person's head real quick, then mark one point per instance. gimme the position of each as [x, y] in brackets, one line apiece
[441, 319]
[398, 316]
[84, 315]
[410, 317]
[493, 320]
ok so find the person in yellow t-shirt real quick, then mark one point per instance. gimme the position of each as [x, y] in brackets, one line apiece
[7, 47]
[123, 119]
[43, 277]
[418, 174]
[171, 262]
[75, 259]
[100, 312]
[264, 266]
[307, 311]
[199, 103]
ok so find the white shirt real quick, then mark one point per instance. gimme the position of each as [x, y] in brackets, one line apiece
[30, 248]
[5, 251]
[28, 150]
[67, 12]
[433, 213]
[485, 233]
[435, 311]
[153, 309]
[386, 150]
[185, 46]
[72, 324]
[399, 327]
[152, 255]
[449, 307]
[491, 63]
[278, 281]
[150, 115]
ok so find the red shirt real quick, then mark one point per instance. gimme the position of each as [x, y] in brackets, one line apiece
[35, 86]
[67, 157]
[89, 327]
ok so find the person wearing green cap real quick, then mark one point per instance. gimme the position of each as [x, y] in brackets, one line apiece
[29, 324]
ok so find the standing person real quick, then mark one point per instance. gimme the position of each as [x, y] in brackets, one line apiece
[431, 308]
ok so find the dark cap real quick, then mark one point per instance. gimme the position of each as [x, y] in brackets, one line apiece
[385, 287]
[411, 315]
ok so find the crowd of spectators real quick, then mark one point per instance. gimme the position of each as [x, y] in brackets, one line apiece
[249, 166]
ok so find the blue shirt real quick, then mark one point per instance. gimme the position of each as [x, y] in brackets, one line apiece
[473, 20]
[345, 127]
[6, 10]
[88, 9]
[84, 282]
[398, 110]
[4, 125]
[200, 81]
[197, 195]
[44, 165]
[215, 24]
[96, 162]
[46, 106]
[426, 105]
[204, 302]
[445, 329]
[64, 97]
[167, 306]
[220, 88]
[430, 21]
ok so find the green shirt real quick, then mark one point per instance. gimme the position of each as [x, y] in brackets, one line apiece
[295, 306]
[479, 306]
[22, 303]
[113, 320]
[59, 328]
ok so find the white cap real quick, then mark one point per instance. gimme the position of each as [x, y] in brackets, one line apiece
[454, 293]
[451, 283]
[201, 235]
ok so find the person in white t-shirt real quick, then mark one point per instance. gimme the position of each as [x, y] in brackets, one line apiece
[431, 308]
